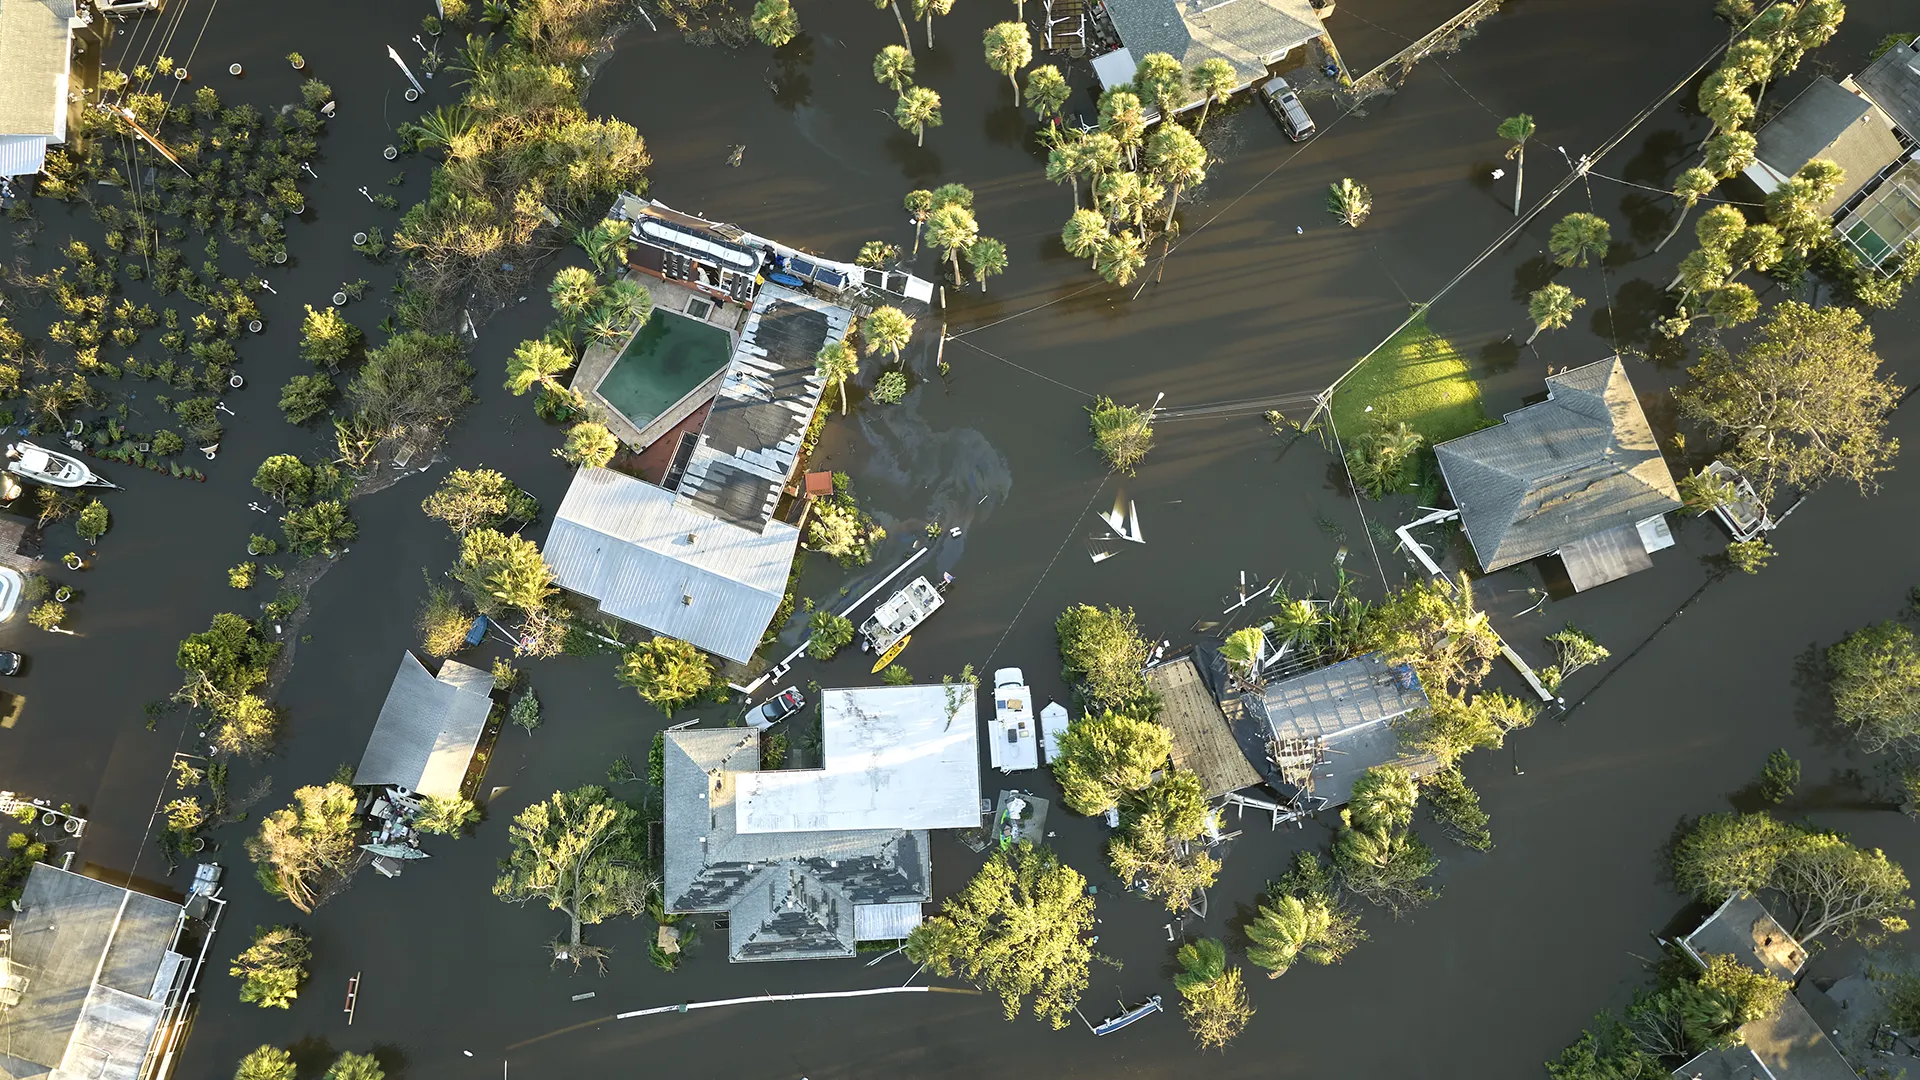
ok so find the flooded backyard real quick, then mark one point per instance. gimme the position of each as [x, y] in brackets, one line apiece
[1261, 305]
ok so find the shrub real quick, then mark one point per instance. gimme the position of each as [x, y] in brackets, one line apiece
[525, 713]
[1124, 433]
[890, 388]
[48, 616]
[321, 527]
[273, 967]
[305, 397]
[241, 577]
[93, 521]
[443, 622]
[326, 338]
[830, 634]
[667, 672]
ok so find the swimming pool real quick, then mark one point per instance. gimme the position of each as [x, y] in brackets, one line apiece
[670, 356]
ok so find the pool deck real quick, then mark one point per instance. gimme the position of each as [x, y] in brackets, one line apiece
[600, 356]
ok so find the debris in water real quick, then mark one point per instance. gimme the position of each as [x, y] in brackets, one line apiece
[735, 152]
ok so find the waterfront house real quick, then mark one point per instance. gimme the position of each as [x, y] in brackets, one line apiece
[1203, 738]
[36, 69]
[807, 863]
[424, 741]
[1787, 1045]
[1868, 125]
[1252, 35]
[94, 980]
[1326, 727]
[1578, 475]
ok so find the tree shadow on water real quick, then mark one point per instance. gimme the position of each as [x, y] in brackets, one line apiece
[1499, 355]
[789, 80]
[1660, 152]
[1005, 125]
[1649, 216]
[312, 1055]
[1532, 274]
[919, 165]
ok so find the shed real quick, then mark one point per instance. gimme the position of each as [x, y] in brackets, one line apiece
[1203, 741]
[428, 729]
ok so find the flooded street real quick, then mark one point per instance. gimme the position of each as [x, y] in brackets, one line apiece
[1525, 943]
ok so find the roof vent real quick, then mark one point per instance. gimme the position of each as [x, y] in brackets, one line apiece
[692, 537]
[686, 599]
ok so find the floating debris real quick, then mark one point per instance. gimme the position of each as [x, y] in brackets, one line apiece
[735, 152]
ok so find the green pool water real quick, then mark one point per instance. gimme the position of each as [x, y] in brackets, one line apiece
[670, 356]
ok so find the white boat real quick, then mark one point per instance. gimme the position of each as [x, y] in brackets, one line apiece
[1053, 724]
[50, 467]
[11, 585]
[898, 614]
[1012, 743]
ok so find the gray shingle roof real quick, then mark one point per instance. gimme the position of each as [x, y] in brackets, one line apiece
[1348, 709]
[1893, 82]
[34, 54]
[1579, 463]
[1829, 122]
[428, 728]
[1743, 928]
[651, 558]
[790, 895]
[1245, 33]
[69, 1018]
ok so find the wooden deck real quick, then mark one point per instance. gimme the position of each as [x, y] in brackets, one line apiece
[1203, 742]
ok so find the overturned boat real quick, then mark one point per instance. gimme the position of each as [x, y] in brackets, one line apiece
[51, 467]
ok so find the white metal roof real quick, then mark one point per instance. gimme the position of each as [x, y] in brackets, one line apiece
[23, 155]
[896, 757]
[428, 728]
[652, 560]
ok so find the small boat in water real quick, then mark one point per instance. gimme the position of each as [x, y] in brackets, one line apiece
[888, 656]
[51, 467]
[1115, 1023]
[898, 614]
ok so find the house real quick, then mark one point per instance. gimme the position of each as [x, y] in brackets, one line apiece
[1578, 475]
[1885, 218]
[1326, 727]
[429, 727]
[36, 70]
[1789, 1044]
[806, 863]
[1249, 34]
[94, 980]
[1203, 739]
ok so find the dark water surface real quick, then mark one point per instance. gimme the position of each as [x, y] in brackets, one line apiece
[1497, 974]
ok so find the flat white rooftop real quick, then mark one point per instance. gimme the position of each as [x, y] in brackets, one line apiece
[896, 757]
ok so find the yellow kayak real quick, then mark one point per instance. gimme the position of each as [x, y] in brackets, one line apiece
[887, 657]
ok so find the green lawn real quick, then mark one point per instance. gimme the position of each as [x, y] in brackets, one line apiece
[1419, 377]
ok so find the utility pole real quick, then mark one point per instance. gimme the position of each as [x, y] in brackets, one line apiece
[127, 114]
[408, 72]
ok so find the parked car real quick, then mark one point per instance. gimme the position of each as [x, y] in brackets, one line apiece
[1286, 108]
[778, 708]
[10, 663]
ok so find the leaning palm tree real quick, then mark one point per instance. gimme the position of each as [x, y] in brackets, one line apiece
[1047, 91]
[952, 228]
[987, 257]
[1162, 82]
[1688, 189]
[1085, 235]
[836, 363]
[897, 17]
[887, 328]
[1349, 201]
[774, 22]
[893, 68]
[927, 9]
[1578, 237]
[1066, 160]
[537, 363]
[627, 301]
[1551, 307]
[916, 111]
[1216, 80]
[1243, 651]
[1176, 159]
[1125, 118]
[919, 203]
[1009, 48]
[1517, 130]
[1121, 256]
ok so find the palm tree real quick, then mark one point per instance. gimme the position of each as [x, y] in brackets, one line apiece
[627, 301]
[952, 228]
[1517, 130]
[1688, 188]
[1282, 932]
[1298, 620]
[887, 328]
[774, 22]
[1551, 307]
[895, 5]
[953, 195]
[574, 292]
[917, 110]
[1085, 235]
[1020, 10]
[836, 363]
[1243, 650]
[893, 68]
[1216, 80]
[1009, 48]
[1162, 81]
[537, 363]
[919, 203]
[1065, 162]
[1100, 152]
[1121, 257]
[1123, 117]
[1578, 237]
[604, 242]
[1383, 797]
[443, 125]
[927, 9]
[1350, 202]
[1729, 153]
[1116, 193]
[1047, 91]
[1177, 159]
[986, 256]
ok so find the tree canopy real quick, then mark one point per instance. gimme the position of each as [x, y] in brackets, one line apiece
[1156, 846]
[579, 851]
[1803, 403]
[1834, 886]
[1302, 919]
[273, 967]
[299, 847]
[1375, 851]
[1102, 652]
[1874, 677]
[1216, 1007]
[666, 672]
[501, 571]
[1105, 755]
[470, 499]
[1020, 929]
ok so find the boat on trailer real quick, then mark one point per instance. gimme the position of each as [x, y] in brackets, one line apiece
[898, 614]
[51, 467]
